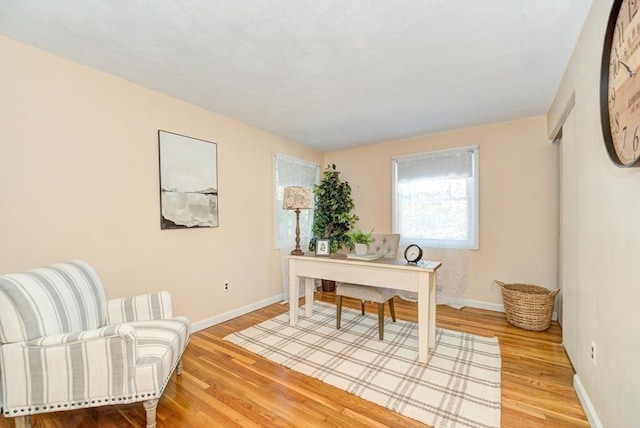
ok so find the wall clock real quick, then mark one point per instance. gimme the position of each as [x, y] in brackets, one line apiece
[620, 84]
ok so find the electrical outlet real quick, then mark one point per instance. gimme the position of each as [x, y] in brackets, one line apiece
[226, 286]
[593, 352]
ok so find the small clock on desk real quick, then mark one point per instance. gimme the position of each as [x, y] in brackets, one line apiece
[413, 254]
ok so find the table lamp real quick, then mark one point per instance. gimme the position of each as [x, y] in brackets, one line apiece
[297, 198]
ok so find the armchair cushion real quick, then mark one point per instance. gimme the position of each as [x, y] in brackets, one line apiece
[160, 346]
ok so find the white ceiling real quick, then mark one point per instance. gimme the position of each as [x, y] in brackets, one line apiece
[328, 74]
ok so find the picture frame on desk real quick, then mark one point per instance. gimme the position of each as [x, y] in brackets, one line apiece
[323, 247]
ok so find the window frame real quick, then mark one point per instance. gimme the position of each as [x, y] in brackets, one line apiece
[473, 189]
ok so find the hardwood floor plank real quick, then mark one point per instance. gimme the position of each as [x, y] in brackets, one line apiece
[226, 386]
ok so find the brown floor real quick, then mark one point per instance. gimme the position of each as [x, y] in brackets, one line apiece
[225, 386]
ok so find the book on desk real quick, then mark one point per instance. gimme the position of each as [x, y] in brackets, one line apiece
[365, 257]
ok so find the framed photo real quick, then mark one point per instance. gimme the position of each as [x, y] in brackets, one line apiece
[188, 182]
[323, 247]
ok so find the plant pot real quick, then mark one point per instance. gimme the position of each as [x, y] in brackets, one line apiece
[328, 285]
[361, 249]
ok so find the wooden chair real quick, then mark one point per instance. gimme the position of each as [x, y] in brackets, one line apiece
[384, 245]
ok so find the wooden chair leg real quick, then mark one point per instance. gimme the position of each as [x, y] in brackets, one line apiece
[392, 309]
[23, 421]
[362, 306]
[150, 408]
[338, 311]
[179, 367]
[381, 321]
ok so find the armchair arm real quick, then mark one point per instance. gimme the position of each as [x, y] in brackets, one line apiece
[144, 307]
[118, 330]
[67, 370]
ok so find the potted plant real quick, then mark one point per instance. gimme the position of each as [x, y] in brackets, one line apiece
[333, 217]
[360, 241]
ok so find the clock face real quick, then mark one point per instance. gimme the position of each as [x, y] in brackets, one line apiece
[620, 85]
[413, 253]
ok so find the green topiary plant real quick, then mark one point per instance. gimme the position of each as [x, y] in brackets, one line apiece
[359, 237]
[332, 217]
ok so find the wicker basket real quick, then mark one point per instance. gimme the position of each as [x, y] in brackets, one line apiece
[528, 306]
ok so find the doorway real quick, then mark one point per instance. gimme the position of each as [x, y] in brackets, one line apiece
[568, 234]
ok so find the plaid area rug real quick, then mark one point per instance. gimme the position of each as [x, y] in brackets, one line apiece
[459, 387]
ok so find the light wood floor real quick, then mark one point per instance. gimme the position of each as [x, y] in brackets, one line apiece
[225, 386]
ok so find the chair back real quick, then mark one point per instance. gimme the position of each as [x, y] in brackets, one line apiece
[61, 298]
[385, 245]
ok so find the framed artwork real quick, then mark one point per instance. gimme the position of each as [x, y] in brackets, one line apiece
[323, 247]
[188, 182]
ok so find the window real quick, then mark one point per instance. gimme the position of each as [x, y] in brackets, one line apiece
[290, 171]
[435, 198]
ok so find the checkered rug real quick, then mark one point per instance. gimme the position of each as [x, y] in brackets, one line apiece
[459, 387]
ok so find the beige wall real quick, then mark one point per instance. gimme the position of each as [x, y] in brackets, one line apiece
[518, 199]
[608, 241]
[79, 179]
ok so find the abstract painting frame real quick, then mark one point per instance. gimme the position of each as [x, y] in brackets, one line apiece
[188, 182]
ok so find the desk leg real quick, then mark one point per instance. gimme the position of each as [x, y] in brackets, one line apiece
[432, 310]
[293, 293]
[308, 295]
[423, 317]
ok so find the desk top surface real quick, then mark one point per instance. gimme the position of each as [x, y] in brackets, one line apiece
[422, 265]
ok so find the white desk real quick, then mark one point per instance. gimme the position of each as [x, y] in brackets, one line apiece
[390, 273]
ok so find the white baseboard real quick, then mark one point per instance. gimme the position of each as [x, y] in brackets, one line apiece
[485, 305]
[589, 410]
[208, 322]
[496, 307]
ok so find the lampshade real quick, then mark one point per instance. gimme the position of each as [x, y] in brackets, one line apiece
[296, 197]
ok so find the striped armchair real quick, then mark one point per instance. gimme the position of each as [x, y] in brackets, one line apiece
[63, 346]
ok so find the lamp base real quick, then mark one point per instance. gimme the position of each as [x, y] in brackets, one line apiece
[297, 252]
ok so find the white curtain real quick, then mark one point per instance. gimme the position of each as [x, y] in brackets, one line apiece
[290, 171]
[435, 198]
[451, 277]
[284, 261]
